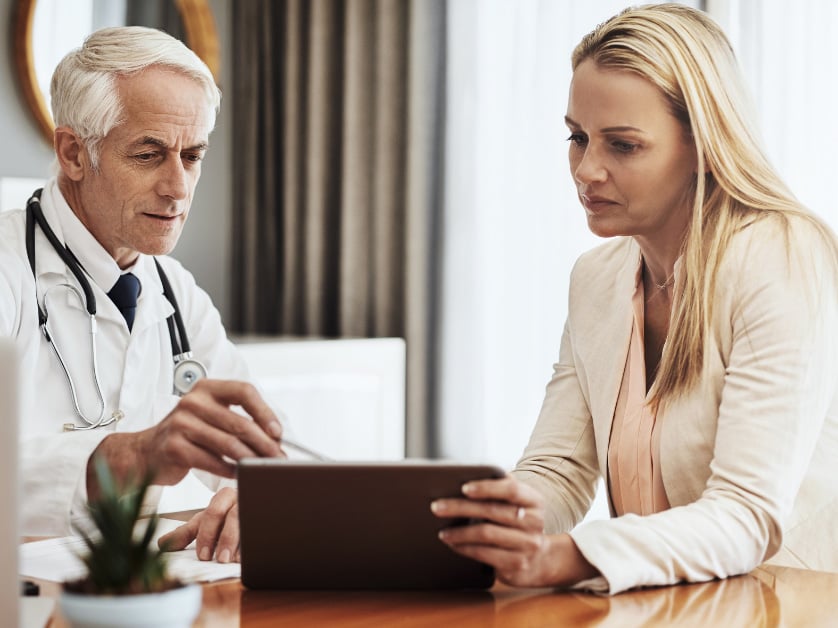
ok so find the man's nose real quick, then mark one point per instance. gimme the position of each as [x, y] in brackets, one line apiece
[174, 182]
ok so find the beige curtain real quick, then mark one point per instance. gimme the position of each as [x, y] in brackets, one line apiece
[162, 14]
[338, 108]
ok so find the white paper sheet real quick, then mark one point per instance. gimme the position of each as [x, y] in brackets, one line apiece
[35, 612]
[56, 560]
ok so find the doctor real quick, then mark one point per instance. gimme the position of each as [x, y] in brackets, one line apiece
[134, 109]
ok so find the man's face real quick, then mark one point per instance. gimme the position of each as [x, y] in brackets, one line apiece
[138, 198]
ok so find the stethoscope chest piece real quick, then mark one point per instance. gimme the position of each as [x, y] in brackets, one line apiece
[187, 374]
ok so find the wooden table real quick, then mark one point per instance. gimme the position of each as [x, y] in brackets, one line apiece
[769, 596]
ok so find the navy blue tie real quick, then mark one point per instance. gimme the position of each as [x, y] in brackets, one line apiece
[124, 295]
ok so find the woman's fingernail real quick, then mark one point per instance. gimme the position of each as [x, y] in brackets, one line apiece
[224, 556]
[204, 553]
[276, 430]
[437, 506]
[468, 489]
[443, 535]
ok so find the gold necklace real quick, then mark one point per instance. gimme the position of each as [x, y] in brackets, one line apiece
[665, 284]
[661, 287]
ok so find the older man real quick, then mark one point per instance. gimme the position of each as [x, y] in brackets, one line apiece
[134, 109]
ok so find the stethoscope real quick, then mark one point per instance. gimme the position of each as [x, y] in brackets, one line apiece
[187, 370]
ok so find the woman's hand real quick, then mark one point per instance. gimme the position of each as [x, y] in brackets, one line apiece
[509, 535]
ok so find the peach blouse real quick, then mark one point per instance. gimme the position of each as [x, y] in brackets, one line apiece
[634, 474]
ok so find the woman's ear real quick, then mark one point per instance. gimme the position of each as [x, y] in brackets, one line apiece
[71, 153]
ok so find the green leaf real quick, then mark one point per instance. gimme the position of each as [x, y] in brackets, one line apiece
[118, 561]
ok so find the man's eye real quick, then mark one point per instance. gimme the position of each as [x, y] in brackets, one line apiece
[145, 157]
[193, 157]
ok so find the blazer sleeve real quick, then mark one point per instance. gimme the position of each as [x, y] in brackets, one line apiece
[775, 326]
[560, 460]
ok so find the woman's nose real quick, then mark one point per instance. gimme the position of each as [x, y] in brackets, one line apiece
[589, 168]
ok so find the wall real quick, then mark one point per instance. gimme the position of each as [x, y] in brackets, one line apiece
[204, 247]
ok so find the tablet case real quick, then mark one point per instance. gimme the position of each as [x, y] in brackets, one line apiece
[315, 525]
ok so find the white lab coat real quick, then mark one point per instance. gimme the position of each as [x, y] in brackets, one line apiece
[135, 370]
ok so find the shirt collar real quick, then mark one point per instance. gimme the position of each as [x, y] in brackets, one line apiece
[96, 261]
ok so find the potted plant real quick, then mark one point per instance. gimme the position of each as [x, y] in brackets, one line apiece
[127, 582]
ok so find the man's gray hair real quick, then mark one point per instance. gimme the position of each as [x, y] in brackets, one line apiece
[84, 89]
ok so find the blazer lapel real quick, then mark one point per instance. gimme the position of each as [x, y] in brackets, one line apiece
[606, 333]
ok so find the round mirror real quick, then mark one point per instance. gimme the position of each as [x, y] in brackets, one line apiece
[46, 30]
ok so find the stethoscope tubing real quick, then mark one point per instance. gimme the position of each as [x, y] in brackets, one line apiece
[100, 421]
[36, 214]
[187, 370]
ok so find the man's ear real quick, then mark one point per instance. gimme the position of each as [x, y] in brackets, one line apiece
[72, 155]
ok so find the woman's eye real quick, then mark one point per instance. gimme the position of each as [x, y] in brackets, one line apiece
[624, 147]
[578, 139]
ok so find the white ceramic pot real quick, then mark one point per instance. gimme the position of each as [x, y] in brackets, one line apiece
[177, 608]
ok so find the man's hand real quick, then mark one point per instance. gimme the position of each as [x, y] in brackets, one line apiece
[202, 432]
[216, 530]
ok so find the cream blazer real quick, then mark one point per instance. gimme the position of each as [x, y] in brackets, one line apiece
[749, 458]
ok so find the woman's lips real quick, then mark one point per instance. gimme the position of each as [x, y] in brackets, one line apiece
[595, 203]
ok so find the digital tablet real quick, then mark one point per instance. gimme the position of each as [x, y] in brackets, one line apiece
[316, 525]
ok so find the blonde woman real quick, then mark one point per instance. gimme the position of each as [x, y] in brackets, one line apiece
[698, 367]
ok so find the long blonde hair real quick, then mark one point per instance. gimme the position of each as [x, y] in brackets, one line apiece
[687, 56]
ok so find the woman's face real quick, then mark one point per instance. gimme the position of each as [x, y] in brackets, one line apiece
[633, 163]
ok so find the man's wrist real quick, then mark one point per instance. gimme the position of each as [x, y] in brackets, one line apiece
[120, 452]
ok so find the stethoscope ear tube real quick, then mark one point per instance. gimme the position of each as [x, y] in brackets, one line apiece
[30, 254]
[33, 207]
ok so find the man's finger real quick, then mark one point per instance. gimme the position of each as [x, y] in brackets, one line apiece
[256, 406]
[219, 443]
[212, 522]
[180, 537]
[228, 541]
[247, 396]
[187, 455]
[212, 410]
